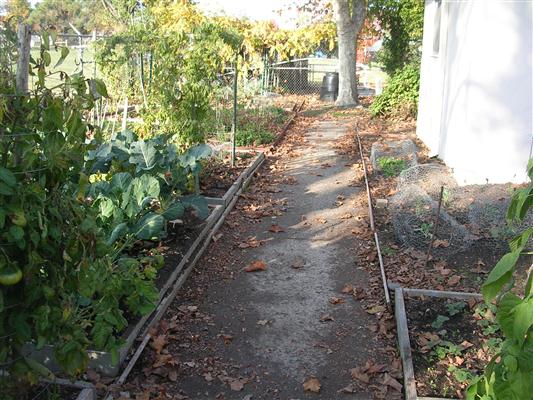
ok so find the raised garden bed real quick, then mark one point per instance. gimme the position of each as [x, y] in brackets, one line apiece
[180, 257]
[444, 339]
[177, 257]
[223, 182]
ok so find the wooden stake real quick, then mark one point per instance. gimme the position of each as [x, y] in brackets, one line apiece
[23, 63]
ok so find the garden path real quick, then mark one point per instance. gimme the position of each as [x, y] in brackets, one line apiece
[262, 335]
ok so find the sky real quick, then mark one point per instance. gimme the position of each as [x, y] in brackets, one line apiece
[253, 9]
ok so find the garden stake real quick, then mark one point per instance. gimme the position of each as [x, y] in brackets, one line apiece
[435, 225]
[234, 124]
[372, 225]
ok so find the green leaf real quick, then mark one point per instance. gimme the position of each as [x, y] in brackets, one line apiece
[6, 190]
[47, 58]
[39, 368]
[98, 88]
[143, 155]
[16, 232]
[523, 319]
[106, 207]
[7, 177]
[175, 211]
[150, 226]
[64, 54]
[200, 151]
[121, 182]
[45, 43]
[118, 232]
[505, 314]
[500, 275]
[1, 302]
[145, 186]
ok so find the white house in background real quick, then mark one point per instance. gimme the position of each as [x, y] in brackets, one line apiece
[476, 89]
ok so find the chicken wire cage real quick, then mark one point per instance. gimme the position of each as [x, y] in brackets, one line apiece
[413, 214]
[467, 212]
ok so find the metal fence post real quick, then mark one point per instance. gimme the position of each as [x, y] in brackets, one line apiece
[234, 123]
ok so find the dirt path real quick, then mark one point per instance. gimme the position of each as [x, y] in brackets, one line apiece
[261, 335]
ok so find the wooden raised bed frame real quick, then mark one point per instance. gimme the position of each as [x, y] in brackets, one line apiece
[404, 343]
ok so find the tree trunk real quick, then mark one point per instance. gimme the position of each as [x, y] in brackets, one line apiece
[349, 15]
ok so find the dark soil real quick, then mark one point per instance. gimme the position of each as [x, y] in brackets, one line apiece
[447, 355]
[48, 392]
[218, 175]
[179, 240]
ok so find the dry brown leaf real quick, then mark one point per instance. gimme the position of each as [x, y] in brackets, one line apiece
[376, 309]
[326, 317]
[322, 220]
[454, 280]
[358, 374]
[158, 343]
[276, 228]
[256, 266]
[393, 383]
[347, 216]
[173, 375]
[441, 243]
[347, 289]
[336, 300]
[312, 385]
[237, 384]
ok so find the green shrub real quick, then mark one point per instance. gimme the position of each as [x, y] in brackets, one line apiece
[254, 138]
[391, 166]
[400, 97]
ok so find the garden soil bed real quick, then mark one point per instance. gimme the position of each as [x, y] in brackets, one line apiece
[451, 343]
[65, 390]
[218, 175]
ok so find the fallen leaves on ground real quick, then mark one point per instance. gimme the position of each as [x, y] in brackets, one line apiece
[312, 385]
[347, 289]
[393, 383]
[376, 309]
[256, 266]
[276, 228]
[454, 280]
[237, 384]
[251, 243]
[336, 300]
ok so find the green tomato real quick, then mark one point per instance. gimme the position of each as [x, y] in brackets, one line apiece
[10, 274]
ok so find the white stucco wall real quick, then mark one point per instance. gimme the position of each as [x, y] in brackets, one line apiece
[476, 95]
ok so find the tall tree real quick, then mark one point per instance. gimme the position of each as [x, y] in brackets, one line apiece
[17, 8]
[85, 15]
[349, 15]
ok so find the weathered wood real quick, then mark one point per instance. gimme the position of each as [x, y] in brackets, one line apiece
[442, 294]
[23, 62]
[404, 345]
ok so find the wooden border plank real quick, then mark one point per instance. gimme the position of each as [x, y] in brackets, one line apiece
[404, 345]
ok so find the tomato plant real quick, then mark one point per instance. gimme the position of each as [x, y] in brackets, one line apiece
[508, 375]
[61, 282]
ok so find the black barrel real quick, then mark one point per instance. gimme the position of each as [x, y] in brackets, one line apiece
[330, 86]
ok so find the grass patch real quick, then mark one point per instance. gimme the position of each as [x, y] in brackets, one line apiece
[391, 167]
